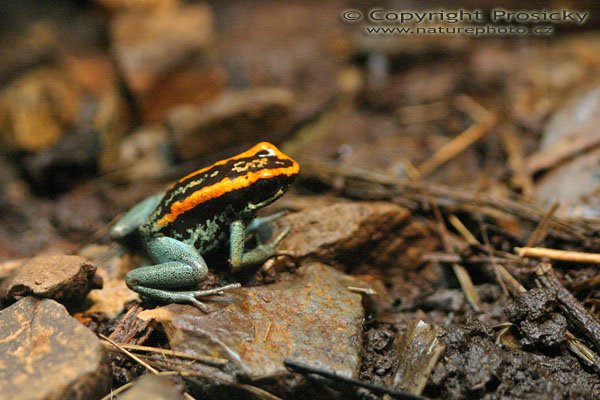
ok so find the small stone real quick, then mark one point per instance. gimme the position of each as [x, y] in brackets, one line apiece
[36, 109]
[236, 118]
[574, 183]
[144, 154]
[63, 278]
[111, 299]
[153, 387]
[313, 319]
[449, 300]
[418, 350]
[353, 234]
[164, 56]
[47, 355]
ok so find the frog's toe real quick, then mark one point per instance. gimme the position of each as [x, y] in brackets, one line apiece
[280, 237]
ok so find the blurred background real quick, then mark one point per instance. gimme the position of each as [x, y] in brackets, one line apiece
[103, 102]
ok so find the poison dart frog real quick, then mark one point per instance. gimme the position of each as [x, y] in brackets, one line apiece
[201, 212]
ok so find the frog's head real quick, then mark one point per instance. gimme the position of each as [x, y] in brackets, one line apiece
[269, 172]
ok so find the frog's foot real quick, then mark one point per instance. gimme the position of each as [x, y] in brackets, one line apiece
[185, 297]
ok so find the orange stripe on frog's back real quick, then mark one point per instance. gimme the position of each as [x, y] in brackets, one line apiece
[248, 153]
[227, 185]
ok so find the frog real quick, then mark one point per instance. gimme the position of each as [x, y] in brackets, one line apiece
[205, 211]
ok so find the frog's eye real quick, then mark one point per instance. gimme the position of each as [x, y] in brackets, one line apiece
[266, 186]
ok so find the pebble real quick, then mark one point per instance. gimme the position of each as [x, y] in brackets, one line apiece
[62, 278]
[45, 354]
[313, 319]
[153, 387]
[235, 118]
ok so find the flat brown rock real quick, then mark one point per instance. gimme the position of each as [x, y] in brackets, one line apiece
[45, 354]
[62, 278]
[235, 118]
[153, 387]
[164, 56]
[355, 233]
[314, 318]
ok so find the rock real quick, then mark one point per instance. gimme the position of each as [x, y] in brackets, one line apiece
[236, 118]
[573, 181]
[449, 300]
[111, 299]
[418, 351]
[153, 387]
[138, 5]
[36, 109]
[31, 45]
[63, 278]
[164, 55]
[145, 153]
[47, 355]
[313, 319]
[353, 234]
[112, 264]
[72, 158]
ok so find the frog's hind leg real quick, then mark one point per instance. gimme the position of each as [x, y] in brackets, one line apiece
[179, 266]
[135, 217]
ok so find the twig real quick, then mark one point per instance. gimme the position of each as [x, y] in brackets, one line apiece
[484, 122]
[462, 229]
[266, 337]
[139, 360]
[130, 354]
[585, 322]
[570, 146]
[118, 390]
[212, 361]
[367, 291]
[516, 160]
[584, 353]
[448, 198]
[560, 255]
[542, 228]
[489, 250]
[307, 369]
[461, 273]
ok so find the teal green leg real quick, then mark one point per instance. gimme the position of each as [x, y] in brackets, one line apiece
[135, 217]
[239, 259]
[179, 266]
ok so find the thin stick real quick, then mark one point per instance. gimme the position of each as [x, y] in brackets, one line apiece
[542, 228]
[266, 337]
[521, 178]
[466, 284]
[140, 361]
[307, 369]
[560, 255]
[131, 355]
[462, 229]
[118, 390]
[213, 361]
[367, 291]
[484, 122]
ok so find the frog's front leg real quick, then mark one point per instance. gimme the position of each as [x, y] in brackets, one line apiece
[178, 266]
[239, 259]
